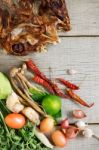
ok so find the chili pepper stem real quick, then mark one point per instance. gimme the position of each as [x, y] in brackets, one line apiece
[77, 99]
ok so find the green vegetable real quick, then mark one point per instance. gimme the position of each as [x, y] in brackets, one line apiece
[37, 94]
[5, 86]
[23, 139]
[51, 104]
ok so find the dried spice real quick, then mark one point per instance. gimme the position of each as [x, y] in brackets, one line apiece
[68, 84]
[42, 82]
[39, 22]
[32, 66]
[77, 99]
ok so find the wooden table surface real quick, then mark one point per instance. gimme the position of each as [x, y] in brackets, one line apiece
[79, 49]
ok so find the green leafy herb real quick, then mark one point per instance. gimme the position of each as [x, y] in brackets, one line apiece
[23, 139]
[3, 108]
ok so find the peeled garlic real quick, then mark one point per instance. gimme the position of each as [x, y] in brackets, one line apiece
[88, 133]
[71, 72]
[81, 125]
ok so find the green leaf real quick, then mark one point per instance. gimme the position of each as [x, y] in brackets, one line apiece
[3, 108]
[58, 116]
[37, 95]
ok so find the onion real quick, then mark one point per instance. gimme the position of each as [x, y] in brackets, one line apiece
[64, 124]
[58, 138]
[79, 114]
[71, 132]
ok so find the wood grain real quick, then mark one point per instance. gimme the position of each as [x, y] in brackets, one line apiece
[81, 54]
[84, 16]
[82, 143]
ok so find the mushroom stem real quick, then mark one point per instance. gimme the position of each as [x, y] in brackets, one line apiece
[31, 102]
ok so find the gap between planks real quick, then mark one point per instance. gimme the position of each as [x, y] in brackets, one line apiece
[77, 36]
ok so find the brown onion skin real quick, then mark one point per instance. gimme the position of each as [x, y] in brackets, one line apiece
[47, 125]
[71, 132]
[58, 138]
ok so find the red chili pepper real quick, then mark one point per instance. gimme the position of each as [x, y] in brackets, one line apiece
[78, 99]
[31, 65]
[58, 91]
[68, 84]
[42, 82]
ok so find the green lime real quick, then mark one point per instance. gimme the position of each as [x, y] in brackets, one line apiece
[51, 104]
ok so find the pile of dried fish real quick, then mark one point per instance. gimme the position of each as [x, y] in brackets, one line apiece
[30, 25]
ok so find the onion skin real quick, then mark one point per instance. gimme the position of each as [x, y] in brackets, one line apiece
[47, 125]
[78, 114]
[64, 124]
[58, 138]
[71, 132]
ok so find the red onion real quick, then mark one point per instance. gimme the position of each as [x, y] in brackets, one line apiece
[65, 124]
[71, 132]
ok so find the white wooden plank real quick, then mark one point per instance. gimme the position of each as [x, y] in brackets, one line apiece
[84, 16]
[81, 54]
[81, 143]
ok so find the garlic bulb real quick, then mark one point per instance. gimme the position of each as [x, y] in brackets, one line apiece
[81, 125]
[88, 133]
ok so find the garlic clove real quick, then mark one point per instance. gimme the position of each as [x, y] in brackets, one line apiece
[88, 133]
[81, 124]
[71, 72]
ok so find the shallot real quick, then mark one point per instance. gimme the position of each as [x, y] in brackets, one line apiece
[79, 114]
[71, 132]
[64, 124]
[47, 125]
[59, 138]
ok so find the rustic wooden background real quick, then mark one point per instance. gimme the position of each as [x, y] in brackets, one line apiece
[79, 49]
